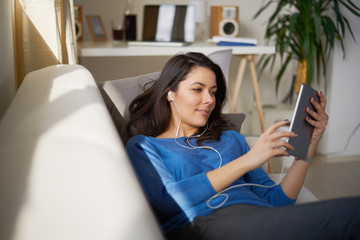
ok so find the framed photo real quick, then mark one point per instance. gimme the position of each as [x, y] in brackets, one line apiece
[96, 27]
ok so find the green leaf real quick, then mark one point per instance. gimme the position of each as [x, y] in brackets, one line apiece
[317, 20]
[281, 72]
[262, 9]
[339, 19]
[293, 22]
[353, 8]
[348, 26]
[279, 7]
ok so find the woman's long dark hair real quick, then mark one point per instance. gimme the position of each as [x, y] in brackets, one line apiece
[150, 112]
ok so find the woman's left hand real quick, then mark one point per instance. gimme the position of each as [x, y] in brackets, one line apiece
[319, 119]
[295, 177]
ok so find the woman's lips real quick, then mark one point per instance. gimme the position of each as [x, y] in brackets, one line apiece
[204, 112]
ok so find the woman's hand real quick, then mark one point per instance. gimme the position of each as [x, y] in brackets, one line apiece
[270, 144]
[319, 120]
[267, 146]
[295, 177]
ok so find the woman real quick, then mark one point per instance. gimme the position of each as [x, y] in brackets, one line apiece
[196, 171]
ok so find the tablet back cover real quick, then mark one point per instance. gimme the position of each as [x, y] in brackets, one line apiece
[298, 123]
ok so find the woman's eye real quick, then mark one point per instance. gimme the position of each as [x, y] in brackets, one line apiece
[197, 89]
[213, 93]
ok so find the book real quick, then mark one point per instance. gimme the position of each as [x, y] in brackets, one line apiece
[157, 44]
[233, 41]
[224, 43]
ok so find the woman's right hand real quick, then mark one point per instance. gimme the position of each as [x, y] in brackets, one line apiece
[270, 144]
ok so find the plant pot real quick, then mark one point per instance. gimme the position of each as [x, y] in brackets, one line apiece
[301, 75]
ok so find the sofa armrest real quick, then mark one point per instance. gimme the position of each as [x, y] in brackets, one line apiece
[64, 173]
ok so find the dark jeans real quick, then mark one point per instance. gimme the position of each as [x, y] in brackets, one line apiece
[333, 219]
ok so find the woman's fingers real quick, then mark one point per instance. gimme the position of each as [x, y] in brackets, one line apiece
[282, 134]
[322, 98]
[320, 111]
[274, 138]
[280, 153]
[275, 126]
[272, 143]
[319, 117]
[282, 144]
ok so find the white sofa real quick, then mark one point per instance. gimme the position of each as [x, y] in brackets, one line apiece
[64, 173]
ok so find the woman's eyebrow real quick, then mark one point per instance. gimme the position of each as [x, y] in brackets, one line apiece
[202, 84]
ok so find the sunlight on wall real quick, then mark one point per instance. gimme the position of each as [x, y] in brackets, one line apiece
[45, 34]
[41, 29]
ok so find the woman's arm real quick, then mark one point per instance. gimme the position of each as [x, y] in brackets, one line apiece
[166, 193]
[268, 145]
[294, 179]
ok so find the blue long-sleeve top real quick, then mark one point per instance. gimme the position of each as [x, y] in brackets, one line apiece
[175, 182]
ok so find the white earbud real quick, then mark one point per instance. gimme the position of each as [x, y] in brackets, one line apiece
[169, 94]
[178, 127]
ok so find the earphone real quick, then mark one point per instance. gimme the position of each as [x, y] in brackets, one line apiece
[169, 94]
[221, 193]
[178, 127]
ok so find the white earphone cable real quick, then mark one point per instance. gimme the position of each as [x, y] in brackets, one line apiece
[221, 193]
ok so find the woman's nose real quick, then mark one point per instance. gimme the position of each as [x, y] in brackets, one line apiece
[208, 98]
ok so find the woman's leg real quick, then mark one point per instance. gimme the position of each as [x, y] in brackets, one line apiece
[333, 219]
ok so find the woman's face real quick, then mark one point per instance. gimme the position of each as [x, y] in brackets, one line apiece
[195, 98]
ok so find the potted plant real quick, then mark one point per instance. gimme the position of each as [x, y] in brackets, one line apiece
[305, 31]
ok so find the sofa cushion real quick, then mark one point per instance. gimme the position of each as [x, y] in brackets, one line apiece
[236, 119]
[119, 93]
[123, 91]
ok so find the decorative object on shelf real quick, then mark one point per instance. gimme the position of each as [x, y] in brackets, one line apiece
[224, 21]
[118, 31]
[96, 27]
[78, 22]
[306, 31]
[168, 23]
[130, 20]
[200, 10]
[200, 18]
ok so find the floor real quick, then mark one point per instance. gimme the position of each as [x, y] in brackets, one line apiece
[333, 180]
[328, 180]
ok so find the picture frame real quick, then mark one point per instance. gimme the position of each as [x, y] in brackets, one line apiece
[96, 27]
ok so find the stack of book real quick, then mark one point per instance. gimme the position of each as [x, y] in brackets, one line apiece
[233, 41]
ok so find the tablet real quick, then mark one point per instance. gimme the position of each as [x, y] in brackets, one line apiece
[298, 123]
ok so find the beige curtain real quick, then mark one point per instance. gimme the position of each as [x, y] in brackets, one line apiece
[44, 34]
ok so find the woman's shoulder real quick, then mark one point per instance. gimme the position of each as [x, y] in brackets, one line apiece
[235, 139]
[142, 139]
[232, 134]
[137, 139]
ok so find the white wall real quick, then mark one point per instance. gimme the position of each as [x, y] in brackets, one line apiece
[7, 73]
[343, 84]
